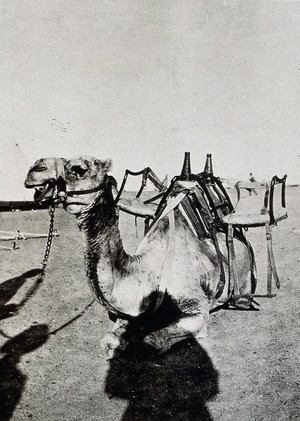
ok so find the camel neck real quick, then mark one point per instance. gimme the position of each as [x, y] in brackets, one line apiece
[103, 250]
[100, 230]
[111, 273]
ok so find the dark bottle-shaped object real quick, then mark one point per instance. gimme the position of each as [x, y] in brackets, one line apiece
[186, 168]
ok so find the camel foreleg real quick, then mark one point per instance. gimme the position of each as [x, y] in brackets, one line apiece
[188, 326]
[115, 339]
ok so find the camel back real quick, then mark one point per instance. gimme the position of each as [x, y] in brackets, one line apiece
[201, 199]
[206, 201]
[204, 204]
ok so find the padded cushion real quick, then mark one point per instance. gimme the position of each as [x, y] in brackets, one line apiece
[248, 212]
[136, 207]
[247, 219]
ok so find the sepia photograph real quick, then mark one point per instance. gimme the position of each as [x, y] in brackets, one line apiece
[149, 210]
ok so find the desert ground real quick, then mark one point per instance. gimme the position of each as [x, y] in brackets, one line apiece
[52, 367]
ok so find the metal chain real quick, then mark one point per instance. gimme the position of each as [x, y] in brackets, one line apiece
[50, 236]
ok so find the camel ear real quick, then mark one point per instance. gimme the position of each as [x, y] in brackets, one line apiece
[112, 182]
[105, 165]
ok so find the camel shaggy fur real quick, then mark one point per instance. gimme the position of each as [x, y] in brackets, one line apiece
[170, 264]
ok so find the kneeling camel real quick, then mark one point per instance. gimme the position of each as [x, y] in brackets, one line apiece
[171, 262]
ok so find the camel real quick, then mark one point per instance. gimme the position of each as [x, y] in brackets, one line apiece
[170, 263]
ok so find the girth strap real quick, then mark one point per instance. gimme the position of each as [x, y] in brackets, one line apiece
[222, 279]
[168, 262]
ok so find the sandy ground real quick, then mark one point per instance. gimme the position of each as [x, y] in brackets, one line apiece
[52, 367]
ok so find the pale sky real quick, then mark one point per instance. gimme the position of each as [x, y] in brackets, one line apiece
[144, 81]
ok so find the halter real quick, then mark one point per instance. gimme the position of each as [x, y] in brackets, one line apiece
[60, 184]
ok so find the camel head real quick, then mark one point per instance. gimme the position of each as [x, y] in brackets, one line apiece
[85, 178]
[44, 176]
[76, 182]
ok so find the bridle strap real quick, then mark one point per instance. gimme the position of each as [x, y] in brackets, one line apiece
[88, 191]
[81, 192]
[60, 175]
[61, 185]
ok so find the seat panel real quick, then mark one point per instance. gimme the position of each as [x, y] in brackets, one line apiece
[135, 206]
[252, 219]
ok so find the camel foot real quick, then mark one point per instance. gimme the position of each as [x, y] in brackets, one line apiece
[152, 341]
[242, 303]
[158, 344]
[191, 326]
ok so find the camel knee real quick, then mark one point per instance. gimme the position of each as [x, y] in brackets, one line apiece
[193, 325]
[120, 327]
[115, 339]
[186, 327]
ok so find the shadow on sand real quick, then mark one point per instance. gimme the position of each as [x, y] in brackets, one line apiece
[12, 380]
[172, 386]
[10, 287]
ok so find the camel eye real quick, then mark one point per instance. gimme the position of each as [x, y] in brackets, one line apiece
[78, 170]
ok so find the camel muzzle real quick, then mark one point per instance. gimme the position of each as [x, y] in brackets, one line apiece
[44, 193]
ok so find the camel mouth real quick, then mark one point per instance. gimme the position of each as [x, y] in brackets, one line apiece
[43, 192]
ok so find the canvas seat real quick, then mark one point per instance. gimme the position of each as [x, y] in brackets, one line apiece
[137, 207]
[258, 204]
[254, 210]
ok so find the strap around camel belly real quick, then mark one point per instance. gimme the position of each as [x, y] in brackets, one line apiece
[164, 280]
[168, 262]
[171, 205]
[167, 265]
